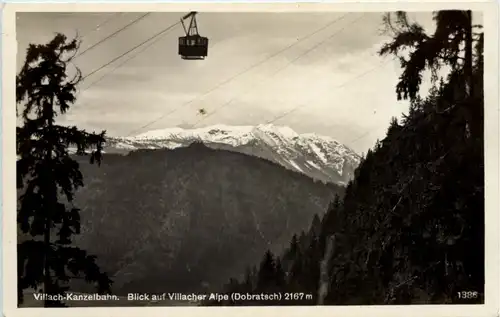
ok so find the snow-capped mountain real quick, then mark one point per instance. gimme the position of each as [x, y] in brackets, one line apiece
[319, 157]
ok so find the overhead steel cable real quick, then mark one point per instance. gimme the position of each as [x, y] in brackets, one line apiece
[113, 34]
[129, 59]
[240, 74]
[106, 21]
[132, 49]
[335, 87]
[282, 68]
[125, 61]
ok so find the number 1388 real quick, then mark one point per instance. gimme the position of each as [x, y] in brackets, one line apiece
[467, 294]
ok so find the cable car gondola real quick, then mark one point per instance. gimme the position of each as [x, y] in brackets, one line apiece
[192, 46]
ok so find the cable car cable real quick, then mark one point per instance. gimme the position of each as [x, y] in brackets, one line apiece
[239, 74]
[281, 69]
[106, 21]
[336, 87]
[126, 61]
[120, 65]
[113, 34]
[132, 49]
[362, 136]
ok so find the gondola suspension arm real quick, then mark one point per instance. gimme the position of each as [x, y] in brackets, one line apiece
[193, 28]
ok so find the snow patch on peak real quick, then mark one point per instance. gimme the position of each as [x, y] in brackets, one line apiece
[296, 166]
[318, 152]
[311, 163]
[282, 130]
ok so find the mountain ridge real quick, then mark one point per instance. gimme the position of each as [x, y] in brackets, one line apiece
[319, 157]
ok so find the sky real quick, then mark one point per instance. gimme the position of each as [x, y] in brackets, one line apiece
[261, 67]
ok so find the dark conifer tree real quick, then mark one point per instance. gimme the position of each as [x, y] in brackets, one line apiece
[294, 245]
[315, 226]
[451, 44]
[48, 176]
[280, 278]
[333, 218]
[248, 282]
[267, 272]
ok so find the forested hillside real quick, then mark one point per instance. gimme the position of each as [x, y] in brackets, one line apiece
[185, 220]
[410, 228]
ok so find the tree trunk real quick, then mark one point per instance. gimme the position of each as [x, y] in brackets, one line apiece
[50, 203]
[46, 242]
[471, 113]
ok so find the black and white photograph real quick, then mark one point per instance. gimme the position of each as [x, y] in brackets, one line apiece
[251, 158]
